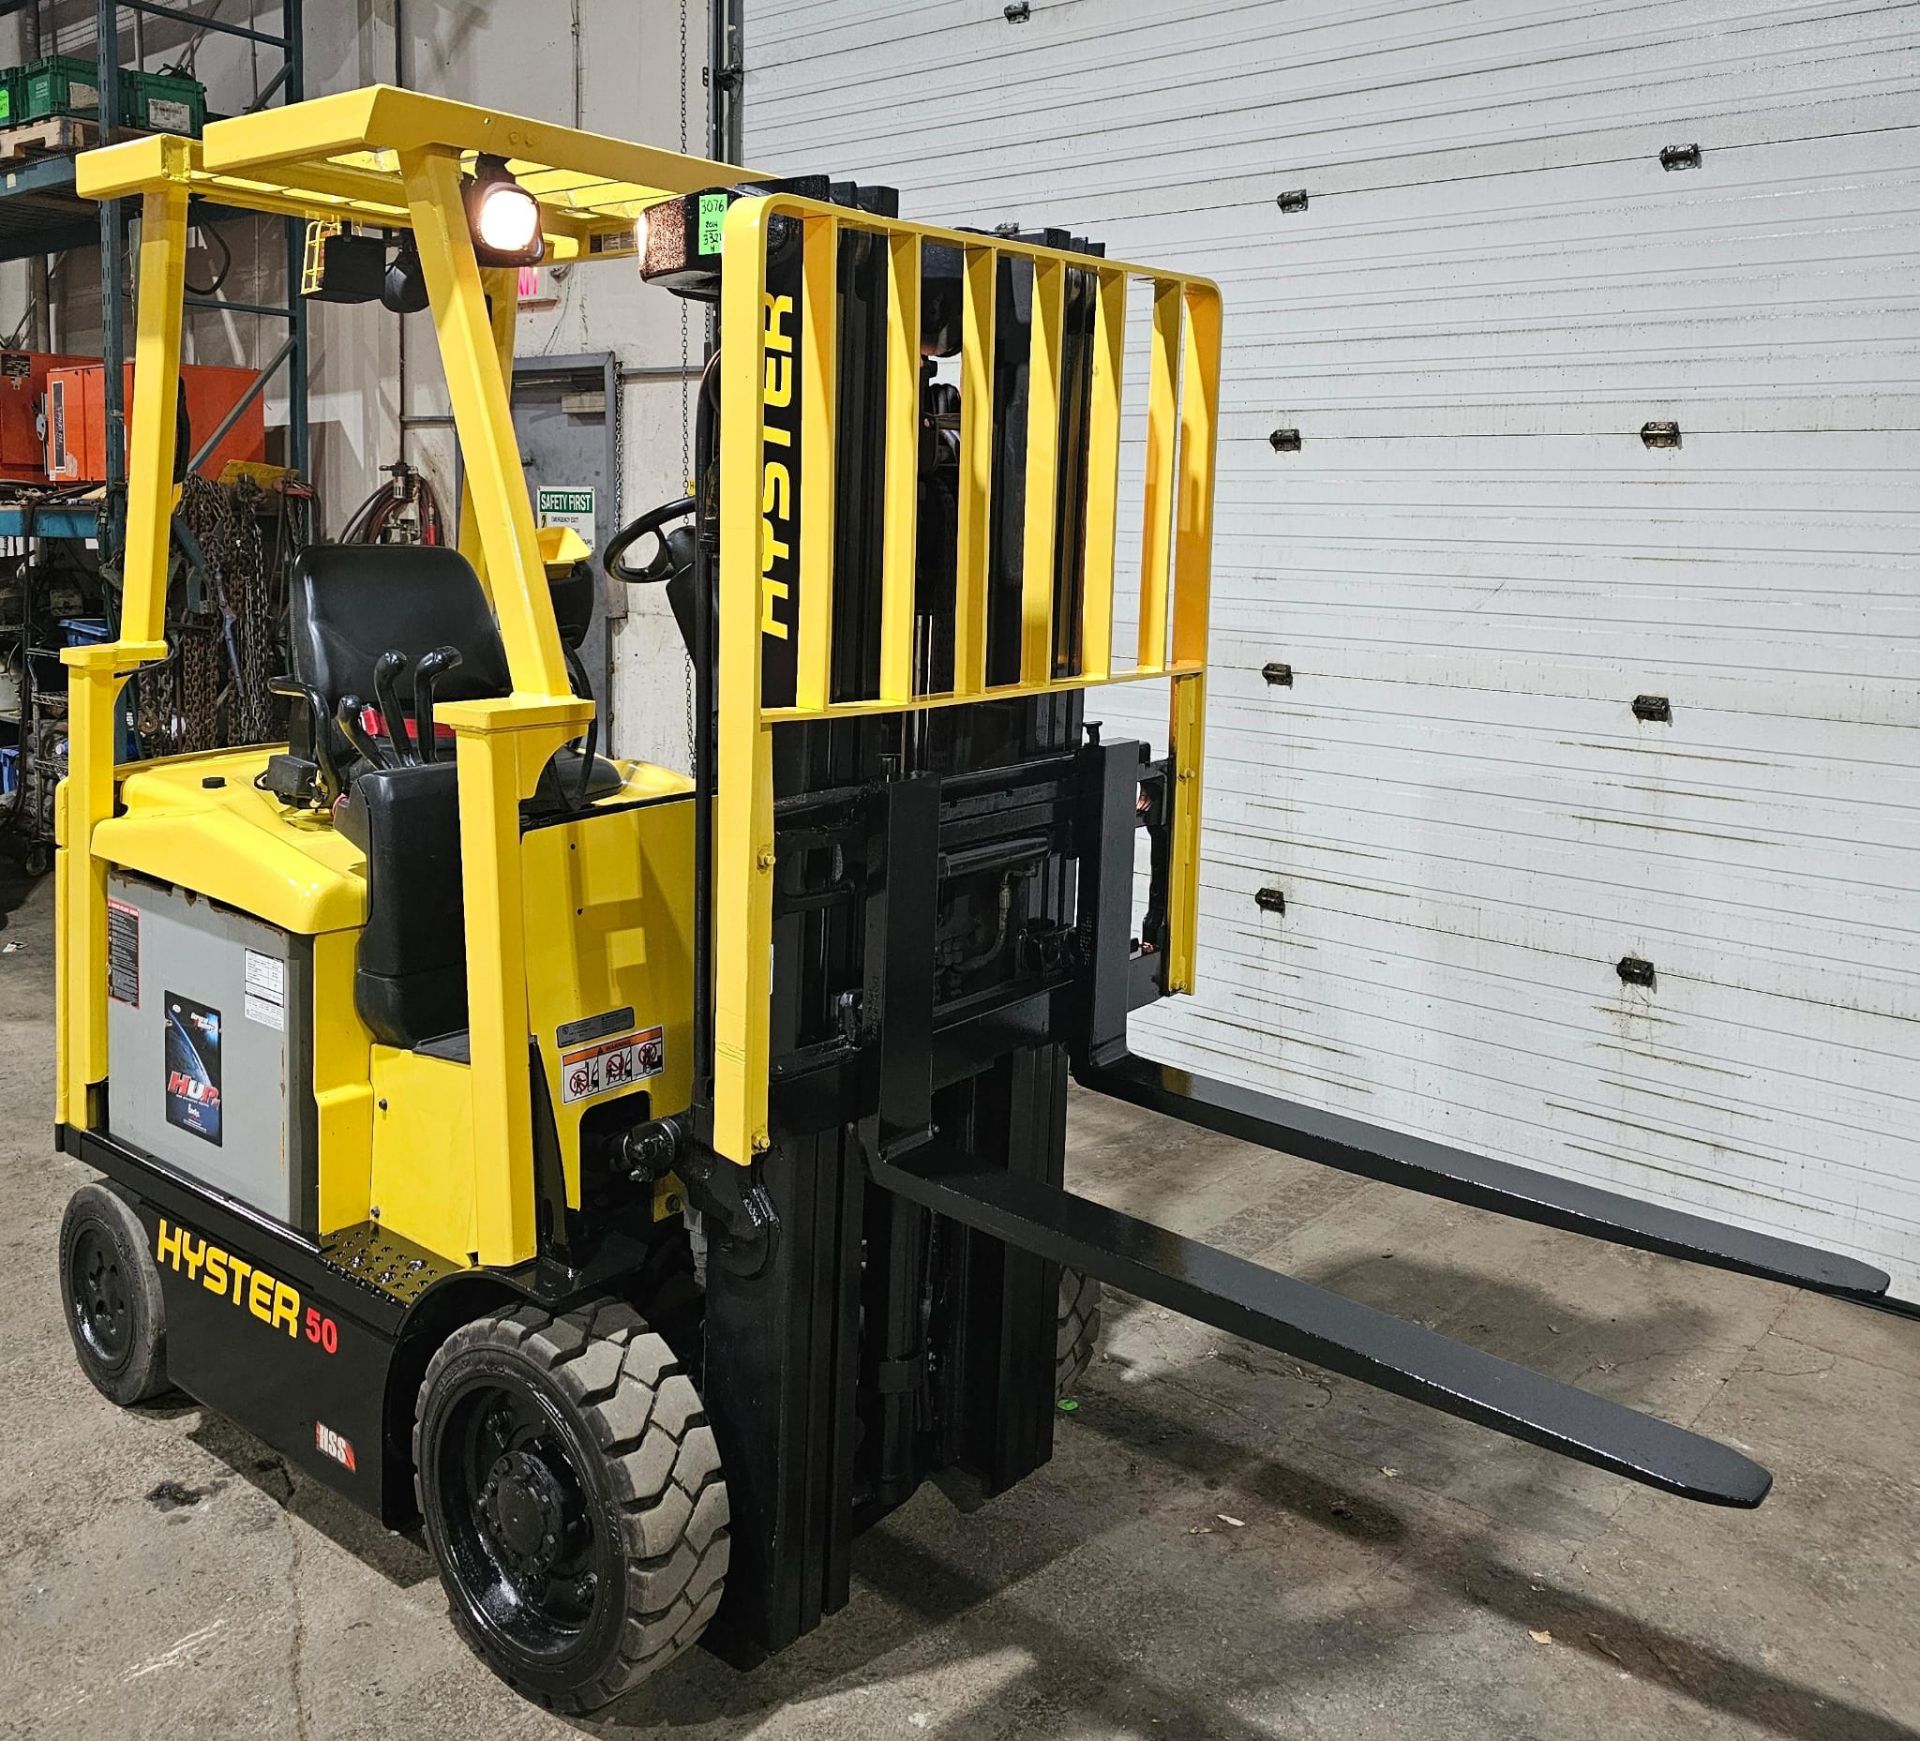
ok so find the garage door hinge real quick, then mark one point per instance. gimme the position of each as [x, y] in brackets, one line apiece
[1660, 434]
[1019, 12]
[1294, 200]
[1653, 707]
[1271, 900]
[1680, 157]
[1279, 675]
[1284, 441]
[1634, 970]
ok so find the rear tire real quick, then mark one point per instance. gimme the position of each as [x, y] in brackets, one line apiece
[1078, 1331]
[573, 1498]
[110, 1286]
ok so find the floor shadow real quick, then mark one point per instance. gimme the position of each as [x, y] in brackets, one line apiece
[922, 1607]
[15, 884]
[402, 1559]
[1447, 1561]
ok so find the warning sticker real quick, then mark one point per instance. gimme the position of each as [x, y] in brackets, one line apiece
[266, 994]
[612, 1064]
[266, 976]
[123, 952]
[267, 1013]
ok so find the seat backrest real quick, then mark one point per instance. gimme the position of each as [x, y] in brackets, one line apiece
[352, 602]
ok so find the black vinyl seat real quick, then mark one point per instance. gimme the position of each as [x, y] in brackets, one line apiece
[350, 603]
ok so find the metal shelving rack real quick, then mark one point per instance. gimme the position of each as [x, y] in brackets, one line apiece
[288, 83]
[41, 214]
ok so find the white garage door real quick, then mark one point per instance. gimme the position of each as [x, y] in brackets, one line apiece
[1481, 286]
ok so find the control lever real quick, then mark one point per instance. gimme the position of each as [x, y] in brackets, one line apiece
[346, 715]
[331, 782]
[386, 685]
[426, 675]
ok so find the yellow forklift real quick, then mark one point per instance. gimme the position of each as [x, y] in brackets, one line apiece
[650, 1182]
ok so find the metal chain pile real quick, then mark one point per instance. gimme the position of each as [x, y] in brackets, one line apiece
[227, 634]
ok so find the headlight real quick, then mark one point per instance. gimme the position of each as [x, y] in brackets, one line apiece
[503, 217]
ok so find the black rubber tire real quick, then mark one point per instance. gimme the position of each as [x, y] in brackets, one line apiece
[110, 1289]
[651, 1491]
[1079, 1330]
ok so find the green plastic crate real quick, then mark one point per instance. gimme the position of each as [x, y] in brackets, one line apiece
[13, 97]
[62, 84]
[163, 103]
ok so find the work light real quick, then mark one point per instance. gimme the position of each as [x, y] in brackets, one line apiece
[503, 216]
[404, 288]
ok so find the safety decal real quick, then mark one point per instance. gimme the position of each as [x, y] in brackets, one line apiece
[123, 952]
[193, 1067]
[614, 1064]
[266, 994]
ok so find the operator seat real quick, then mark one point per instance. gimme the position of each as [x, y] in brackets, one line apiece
[350, 603]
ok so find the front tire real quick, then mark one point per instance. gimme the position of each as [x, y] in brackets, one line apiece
[110, 1286]
[1076, 1330]
[573, 1498]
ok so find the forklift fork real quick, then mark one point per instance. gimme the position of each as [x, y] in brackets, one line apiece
[1418, 1164]
[1344, 1336]
[1309, 1323]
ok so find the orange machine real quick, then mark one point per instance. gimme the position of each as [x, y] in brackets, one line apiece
[76, 422]
[23, 392]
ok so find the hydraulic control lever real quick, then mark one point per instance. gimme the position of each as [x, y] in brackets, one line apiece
[346, 715]
[426, 676]
[386, 686]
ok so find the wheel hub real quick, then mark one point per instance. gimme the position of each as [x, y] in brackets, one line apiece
[525, 1505]
[99, 1296]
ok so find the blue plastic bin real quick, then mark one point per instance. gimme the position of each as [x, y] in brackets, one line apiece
[81, 632]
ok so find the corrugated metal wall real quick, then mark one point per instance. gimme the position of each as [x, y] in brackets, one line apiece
[1474, 564]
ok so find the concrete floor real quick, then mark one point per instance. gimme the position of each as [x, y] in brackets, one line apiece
[1225, 1544]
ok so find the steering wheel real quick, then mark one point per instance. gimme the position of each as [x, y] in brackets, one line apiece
[666, 560]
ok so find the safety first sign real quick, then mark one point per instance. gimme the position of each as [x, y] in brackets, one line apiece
[612, 1064]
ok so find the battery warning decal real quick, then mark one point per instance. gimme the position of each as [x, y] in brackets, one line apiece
[612, 1064]
[193, 1067]
[123, 952]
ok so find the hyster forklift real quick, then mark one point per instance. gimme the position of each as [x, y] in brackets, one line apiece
[650, 1182]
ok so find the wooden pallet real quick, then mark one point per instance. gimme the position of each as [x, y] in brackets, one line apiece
[51, 136]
